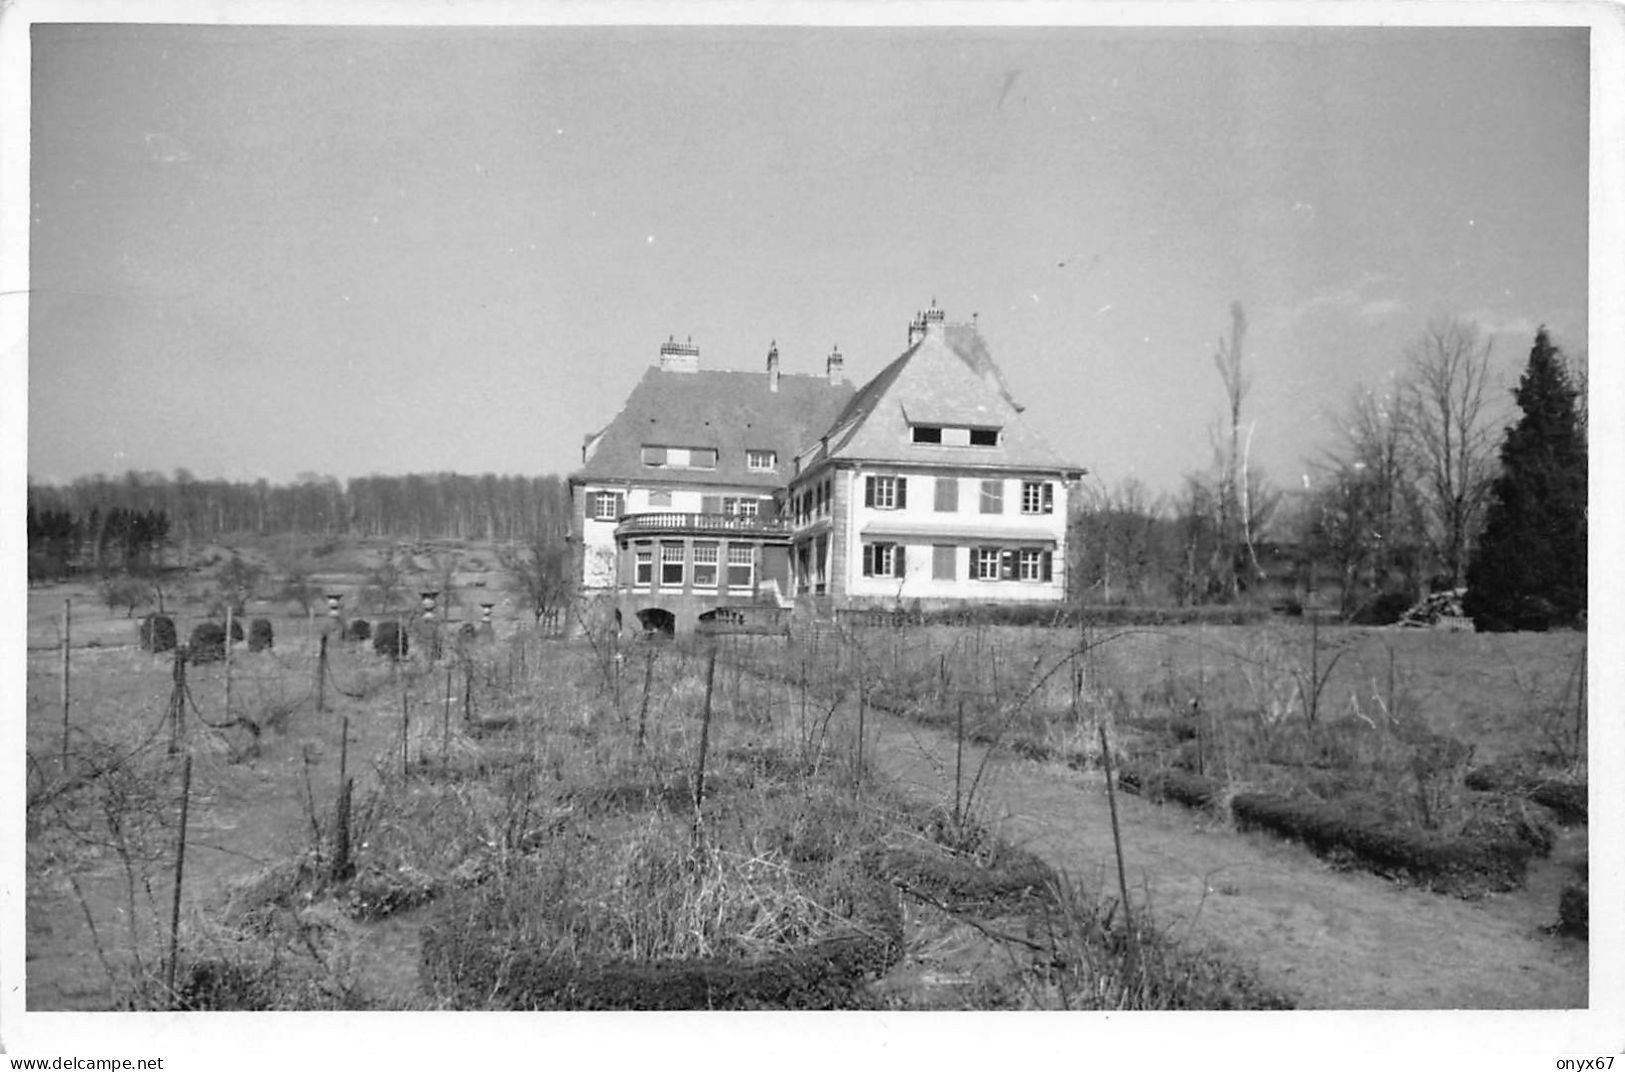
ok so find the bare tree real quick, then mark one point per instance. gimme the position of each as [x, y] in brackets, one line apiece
[1367, 483]
[542, 574]
[1116, 545]
[1234, 560]
[1451, 435]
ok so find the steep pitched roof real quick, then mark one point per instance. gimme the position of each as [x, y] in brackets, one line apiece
[730, 411]
[947, 378]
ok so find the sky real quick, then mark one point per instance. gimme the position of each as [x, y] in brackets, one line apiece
[262, 251]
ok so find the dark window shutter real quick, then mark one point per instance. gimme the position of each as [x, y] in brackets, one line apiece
[897, 560]
[1007, 565]
[769, 510]
[1049, 500]
[902, 493]
[1044, 566]
[711, 504]
[620, 504]
[868, 491]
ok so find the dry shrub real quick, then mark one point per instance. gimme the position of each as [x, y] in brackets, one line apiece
[260, 635]
[654, 921]
[158, 633]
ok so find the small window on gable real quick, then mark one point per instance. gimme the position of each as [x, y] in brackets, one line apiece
[927, 433]
[984, 437]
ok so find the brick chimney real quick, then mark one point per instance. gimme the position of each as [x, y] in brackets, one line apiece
[916, 329]
[679, 356]
[773, 366]
[932, 320]
[835, 366]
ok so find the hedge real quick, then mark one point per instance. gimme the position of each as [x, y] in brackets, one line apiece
[1456, 865]
[468, 963]
[1187, 788]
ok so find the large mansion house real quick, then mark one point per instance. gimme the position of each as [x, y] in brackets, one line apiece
[714, 491]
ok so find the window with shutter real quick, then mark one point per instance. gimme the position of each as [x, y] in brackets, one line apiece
[884, 492]
[1037, 497]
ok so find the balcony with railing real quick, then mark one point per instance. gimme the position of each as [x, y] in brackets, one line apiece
[676, 522]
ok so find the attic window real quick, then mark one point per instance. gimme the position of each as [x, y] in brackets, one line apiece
[927, 433]
[761, 461]
[679, 457]
[984, 437]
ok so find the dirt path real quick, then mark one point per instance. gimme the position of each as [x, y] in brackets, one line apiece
[1330, 939]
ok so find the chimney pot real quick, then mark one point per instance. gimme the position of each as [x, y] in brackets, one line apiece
[679, 356]
[835, 365]
[773, 366]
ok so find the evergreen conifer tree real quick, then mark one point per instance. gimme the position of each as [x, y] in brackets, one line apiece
[1529, 571]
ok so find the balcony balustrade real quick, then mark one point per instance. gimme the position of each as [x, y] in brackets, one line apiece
[668, 521]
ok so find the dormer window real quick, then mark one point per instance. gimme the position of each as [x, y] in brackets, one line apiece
[953, 435]
[679, 457]
[761, 461]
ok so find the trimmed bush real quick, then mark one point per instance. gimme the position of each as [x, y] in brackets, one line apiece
[208, 643]
[389, 639]
[1574, 911]
[1189, 789]
[260, 637]
[1454, 865]
[1567, 799]
[359, 629]
[158, 633]
[468, 961]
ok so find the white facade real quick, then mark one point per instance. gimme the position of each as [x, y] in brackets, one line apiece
[962, 534]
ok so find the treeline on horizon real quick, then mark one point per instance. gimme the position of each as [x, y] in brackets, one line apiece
[91, 512]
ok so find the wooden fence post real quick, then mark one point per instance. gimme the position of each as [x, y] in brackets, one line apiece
[705, 729]
[321, 676]
[67, 619]
[228, 660]
[175, 901]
